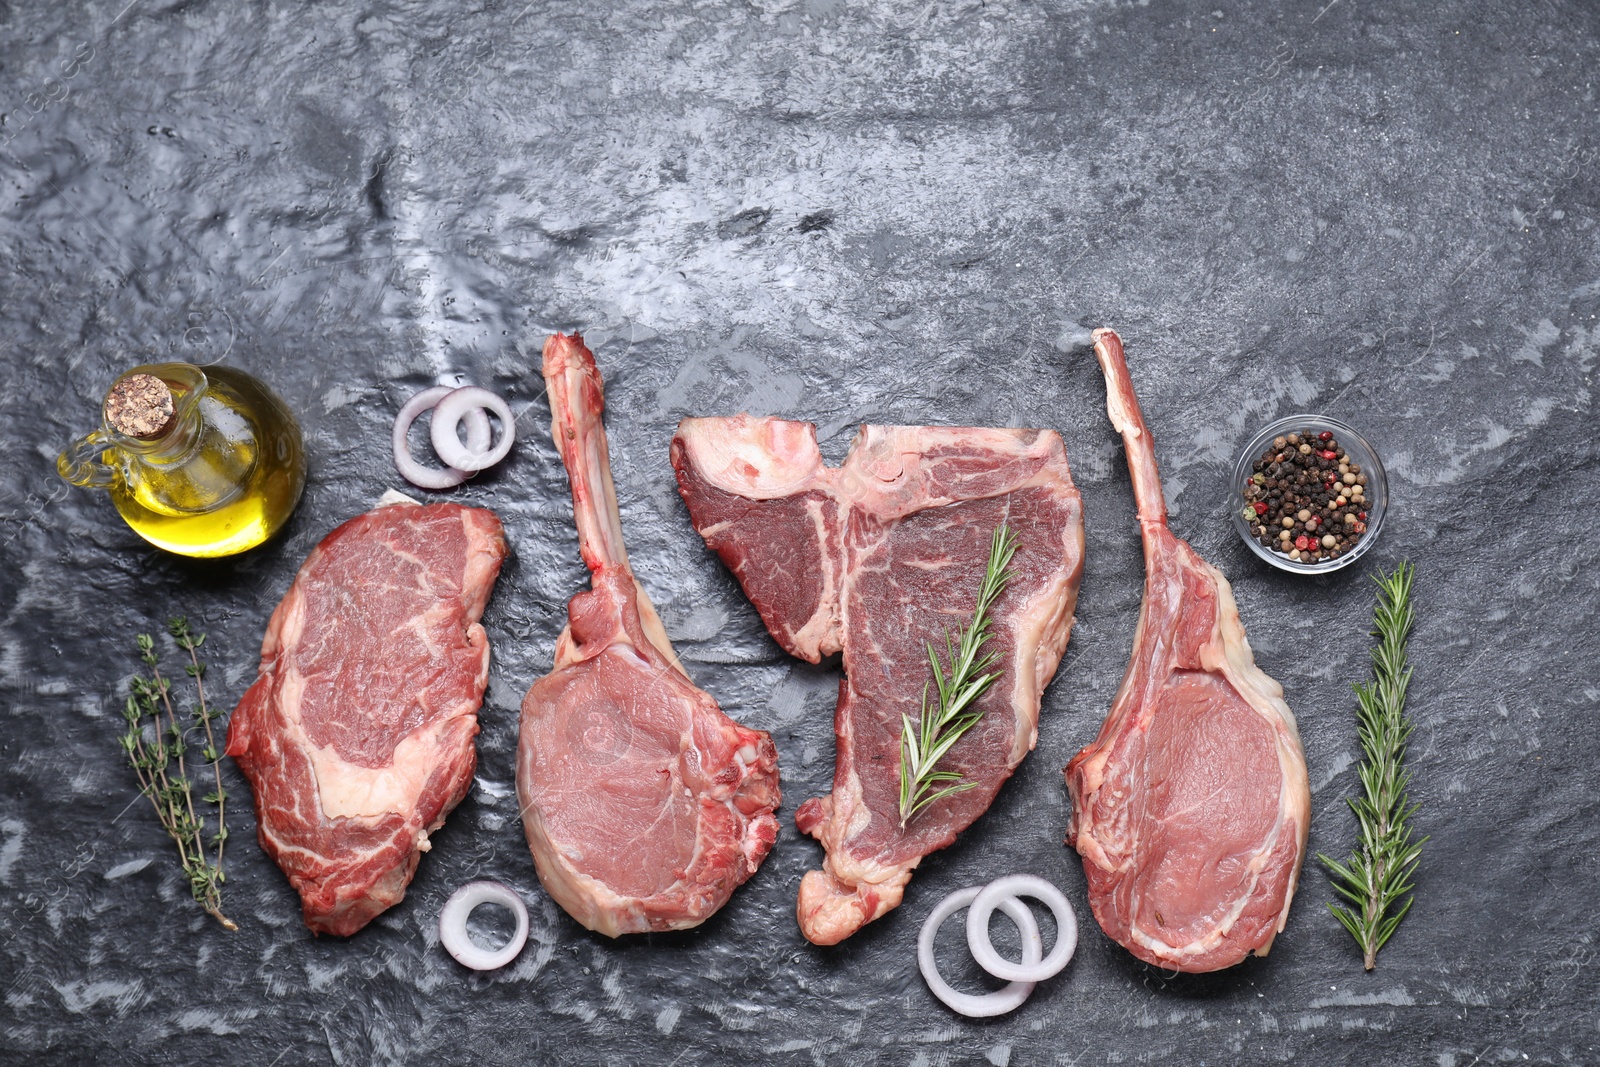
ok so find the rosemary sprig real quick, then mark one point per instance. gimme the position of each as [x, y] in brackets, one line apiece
[156, 743]
[1376, 880]
[925, 743]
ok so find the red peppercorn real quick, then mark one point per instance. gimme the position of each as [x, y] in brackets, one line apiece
[1328, 453]
[1302, 542]
[1361, 527]
[1362, 515]
[1261, 507]
[1325, 435]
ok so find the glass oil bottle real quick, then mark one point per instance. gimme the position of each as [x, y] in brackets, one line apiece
[198, 462]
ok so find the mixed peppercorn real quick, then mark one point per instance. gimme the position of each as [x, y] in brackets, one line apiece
[1306, 499]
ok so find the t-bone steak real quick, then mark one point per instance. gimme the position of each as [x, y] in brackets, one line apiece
[1191, 808]
[645, 806]
[357, 736]
[875, 558]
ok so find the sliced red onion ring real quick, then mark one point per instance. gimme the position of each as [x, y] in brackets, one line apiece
[453, 925]
[455, 407]
[1003, 891]
[478, 434]
[986, 1005]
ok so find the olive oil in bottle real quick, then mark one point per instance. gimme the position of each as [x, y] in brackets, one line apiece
[198, 462]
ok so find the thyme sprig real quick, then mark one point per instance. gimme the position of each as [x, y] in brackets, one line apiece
[1376, 880]
[924, 743]
[156, 744]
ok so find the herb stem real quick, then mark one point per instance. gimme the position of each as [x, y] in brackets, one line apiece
[1376, 880]
[939, 727]
[150, 703]
[177, 747]
[196, 670]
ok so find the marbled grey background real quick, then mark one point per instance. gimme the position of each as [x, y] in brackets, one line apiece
[898, 212]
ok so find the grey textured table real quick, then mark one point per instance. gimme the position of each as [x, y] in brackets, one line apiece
[895, 213]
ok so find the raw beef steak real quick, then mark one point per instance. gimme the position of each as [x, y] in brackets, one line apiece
[357, 736]
[875, 558]
[645, 806]
[1191, 808]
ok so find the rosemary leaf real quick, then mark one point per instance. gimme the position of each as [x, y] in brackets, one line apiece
[958, 686]
[1376, 880]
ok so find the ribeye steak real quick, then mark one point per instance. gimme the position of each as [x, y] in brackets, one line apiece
[1191, 808]
[875, 558]
[357, 736]
[645, 806]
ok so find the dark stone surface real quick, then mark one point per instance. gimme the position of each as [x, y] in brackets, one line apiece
[900, 213]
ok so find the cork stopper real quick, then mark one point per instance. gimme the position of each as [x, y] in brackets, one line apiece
[139, 405]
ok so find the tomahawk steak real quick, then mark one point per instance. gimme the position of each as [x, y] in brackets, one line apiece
[645, 806]
[875, 558]
[357, 735]
[1191, 808]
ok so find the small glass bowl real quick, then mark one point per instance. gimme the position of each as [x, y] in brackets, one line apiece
[1354, 445]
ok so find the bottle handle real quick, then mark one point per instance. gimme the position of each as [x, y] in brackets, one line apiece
[81, 465]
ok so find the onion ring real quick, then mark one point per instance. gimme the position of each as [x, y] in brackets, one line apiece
[972, 1005]
[478, 434]
[453, 925]
[455, 407]
[997, 894]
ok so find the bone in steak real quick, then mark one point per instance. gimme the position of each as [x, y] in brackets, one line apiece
[357, 736]
[645, 806]
[1191, 808]
[875, 558]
